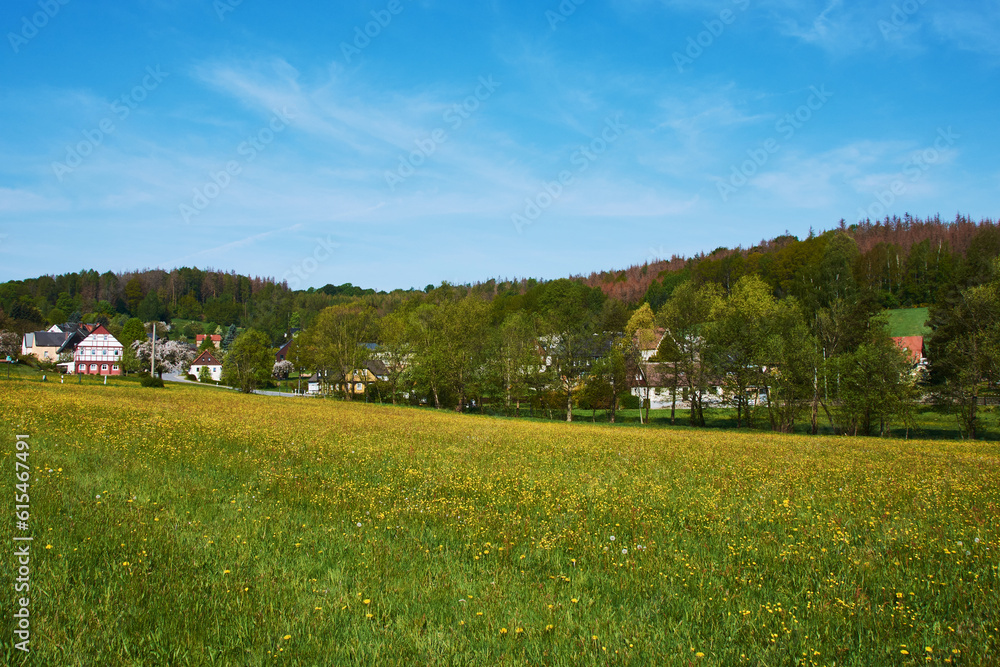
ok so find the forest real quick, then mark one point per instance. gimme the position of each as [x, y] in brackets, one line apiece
[787, 330]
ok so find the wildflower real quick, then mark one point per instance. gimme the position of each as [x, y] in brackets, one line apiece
[287, 637]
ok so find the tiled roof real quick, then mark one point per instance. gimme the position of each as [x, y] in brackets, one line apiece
[206, 359]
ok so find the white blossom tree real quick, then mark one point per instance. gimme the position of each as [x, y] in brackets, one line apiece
[10, 344]
[171, 355]
[282, 368]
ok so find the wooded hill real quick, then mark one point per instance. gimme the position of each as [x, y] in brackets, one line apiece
[899, 262]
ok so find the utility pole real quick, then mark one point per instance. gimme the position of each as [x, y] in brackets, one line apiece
[152, 353]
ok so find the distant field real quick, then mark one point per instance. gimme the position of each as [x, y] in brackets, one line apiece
[185, 526]
[908, 322]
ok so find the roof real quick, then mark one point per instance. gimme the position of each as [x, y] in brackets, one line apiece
[912, 344]
[72, 340]
[99, 330]
[214, 337]
[376, 367]
[648, 342]
[45, 339]
[206, 358]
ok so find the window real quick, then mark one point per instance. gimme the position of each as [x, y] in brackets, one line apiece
[82, 367]
[93, 367]
[104, 367]
[115, 367]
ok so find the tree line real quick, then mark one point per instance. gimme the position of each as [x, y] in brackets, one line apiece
[789, 330]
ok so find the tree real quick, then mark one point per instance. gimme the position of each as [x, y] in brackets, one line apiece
[430, 352]
[207, 344]
[133, 331]
[464, 334]
[336, 340]
[965, 350]
[639, 335]
[513, 361]
[248, 362]
[790, 353]
[611, 371]
[152, 308]
[685, 317]
[230, 336]
[56, 316]
[396, 351]
[738, 336]
[569, 310]
[282, 368]
[171, 356]
[204, 375]
[10, 344]
[188, 307]
[133, 295]
[875, 386]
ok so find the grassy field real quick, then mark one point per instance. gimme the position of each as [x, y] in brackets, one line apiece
[186, 526]
[908, 322]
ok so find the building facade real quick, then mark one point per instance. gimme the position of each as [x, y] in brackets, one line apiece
[207, 360]
[100, 353]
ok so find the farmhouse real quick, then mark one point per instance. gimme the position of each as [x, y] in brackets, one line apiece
[206, 360]
[100, 353]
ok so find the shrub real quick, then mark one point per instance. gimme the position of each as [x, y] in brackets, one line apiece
[150, 381]
[631, 402]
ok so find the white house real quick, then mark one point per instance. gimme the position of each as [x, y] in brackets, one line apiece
[207, 360]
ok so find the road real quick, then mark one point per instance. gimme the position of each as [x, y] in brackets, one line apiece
[173, 377]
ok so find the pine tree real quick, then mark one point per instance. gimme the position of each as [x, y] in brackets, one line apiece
[229, 337]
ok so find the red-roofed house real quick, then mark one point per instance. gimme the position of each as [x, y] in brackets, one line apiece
[914, 345]
[100, 353]
[216, 339]
[207, 360]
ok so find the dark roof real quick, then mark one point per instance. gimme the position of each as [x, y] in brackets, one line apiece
[206, 359]
[49, 339]
[376, 367]
[72, 340]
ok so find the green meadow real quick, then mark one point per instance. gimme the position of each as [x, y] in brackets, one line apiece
[188, 526]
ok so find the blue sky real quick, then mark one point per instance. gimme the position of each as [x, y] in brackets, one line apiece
[397, 143]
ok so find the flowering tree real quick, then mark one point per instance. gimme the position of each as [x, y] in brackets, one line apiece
[10, 344]
[282, 368]
[172, 356]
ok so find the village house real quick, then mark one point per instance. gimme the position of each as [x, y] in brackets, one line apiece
[207, 361]
[100, 353]
[358, 381]
[215, 338]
